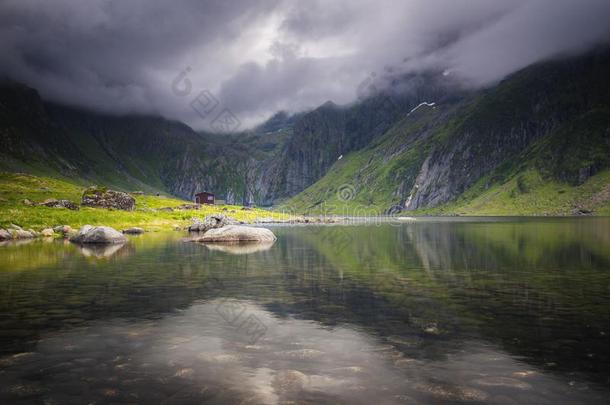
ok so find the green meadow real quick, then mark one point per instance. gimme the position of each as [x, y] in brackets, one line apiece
[17, 187]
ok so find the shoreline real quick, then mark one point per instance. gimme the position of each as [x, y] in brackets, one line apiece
[15, 232]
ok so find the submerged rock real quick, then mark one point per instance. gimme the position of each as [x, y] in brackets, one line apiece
[237, 233]
[502, 382]
[100, 197]
[98, 234]
[133, 230]
[289, 381]
[185, 373]
[455, 393]
[301, 354]
[431, 329]
[24, 390]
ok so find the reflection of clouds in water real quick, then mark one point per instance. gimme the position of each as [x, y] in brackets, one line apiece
[197, 356]
[293, 356]
[239, 248]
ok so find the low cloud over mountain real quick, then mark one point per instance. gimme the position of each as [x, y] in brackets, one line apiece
[259, 56]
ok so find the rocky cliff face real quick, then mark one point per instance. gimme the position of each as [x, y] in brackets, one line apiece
[502, 122]
[319, 138]
[422, 143]
[548, 118]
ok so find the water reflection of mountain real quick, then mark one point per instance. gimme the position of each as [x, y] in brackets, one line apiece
[426, 286]
[538, 288]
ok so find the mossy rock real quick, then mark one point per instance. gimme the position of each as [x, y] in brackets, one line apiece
[101, 197]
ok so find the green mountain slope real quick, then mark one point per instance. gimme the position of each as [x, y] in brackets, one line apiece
[543, 132]
[127, 152]
[535, 143]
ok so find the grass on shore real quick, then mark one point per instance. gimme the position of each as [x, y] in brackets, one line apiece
[16, 187]
[529, 194]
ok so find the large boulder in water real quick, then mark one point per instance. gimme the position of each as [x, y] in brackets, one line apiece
[236, 234]
[98, 235]
[100, 197]
[212, 222]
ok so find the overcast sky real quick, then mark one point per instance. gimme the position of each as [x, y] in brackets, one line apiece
[256, 57]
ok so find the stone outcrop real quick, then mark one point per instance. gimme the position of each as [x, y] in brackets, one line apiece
[21, 234]
[55, 203]
[98, 235]
[47, 232]
[100, 197]
[16, 232]
[5, 235]
[189, 207]
[212, 222]
[63, 229]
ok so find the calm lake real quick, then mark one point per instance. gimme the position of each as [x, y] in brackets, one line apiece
[458, 310]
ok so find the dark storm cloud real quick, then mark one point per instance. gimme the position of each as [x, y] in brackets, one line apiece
[259, 56]
[115, 56]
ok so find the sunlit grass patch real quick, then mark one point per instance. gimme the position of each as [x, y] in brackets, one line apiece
[16, 187]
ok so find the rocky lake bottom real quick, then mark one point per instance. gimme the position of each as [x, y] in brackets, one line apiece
[465, 310]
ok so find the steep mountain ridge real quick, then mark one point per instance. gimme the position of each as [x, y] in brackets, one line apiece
[128, 152]
[431, 146]
[444, 150]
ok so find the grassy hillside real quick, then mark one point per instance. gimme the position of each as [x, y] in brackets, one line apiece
[536, 144]
[368, 181]
[564, 173]
[528, 193]
[129, 152]
[15, 187]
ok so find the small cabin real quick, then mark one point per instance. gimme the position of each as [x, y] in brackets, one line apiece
[204, 198]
